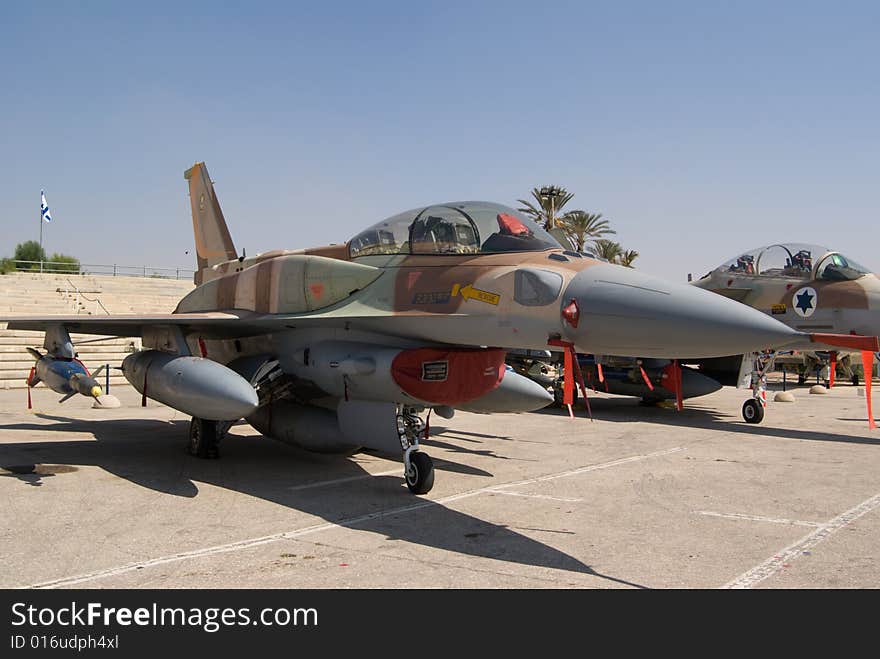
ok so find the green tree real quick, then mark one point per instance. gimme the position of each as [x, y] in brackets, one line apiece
[7, 265]
[626, 258]
[608, 250]
[29, 251]
[581, 226]
[549, 200]
[63, 263]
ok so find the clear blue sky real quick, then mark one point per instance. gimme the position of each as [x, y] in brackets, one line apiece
[700, 129]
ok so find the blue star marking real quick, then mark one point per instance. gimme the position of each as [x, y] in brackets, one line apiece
[804, 301]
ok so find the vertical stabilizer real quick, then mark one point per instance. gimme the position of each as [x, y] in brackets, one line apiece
[213, 242]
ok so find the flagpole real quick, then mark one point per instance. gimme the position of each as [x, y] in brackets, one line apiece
[41, 240]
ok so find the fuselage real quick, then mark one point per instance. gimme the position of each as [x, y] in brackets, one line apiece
[814, 298]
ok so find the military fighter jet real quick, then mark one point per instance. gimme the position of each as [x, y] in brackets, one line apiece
[346, 346]
[810, 288]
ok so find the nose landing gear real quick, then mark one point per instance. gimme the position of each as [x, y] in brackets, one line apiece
[753, 411]
[761, 364]
[418, 468]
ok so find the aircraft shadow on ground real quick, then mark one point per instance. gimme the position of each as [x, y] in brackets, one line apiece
[151, 454]
[699, 415]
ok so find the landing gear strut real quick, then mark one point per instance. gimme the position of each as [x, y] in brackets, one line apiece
[753, 409]
[204, 436]
[418, 468]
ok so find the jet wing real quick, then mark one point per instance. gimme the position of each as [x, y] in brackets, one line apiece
[220, 324]
[213, 324]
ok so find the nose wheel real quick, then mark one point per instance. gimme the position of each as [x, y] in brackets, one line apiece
[753, 411]
[761, 364]
[420, 473]
[418, 468]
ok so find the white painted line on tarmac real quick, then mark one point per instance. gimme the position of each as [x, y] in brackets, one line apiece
[317, 528]
[758, 518]
[348, 479]
[584, 470]
[774, 564]
[536, 496]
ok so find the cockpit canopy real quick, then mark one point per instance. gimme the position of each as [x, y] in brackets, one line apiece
[462, 227]
[795, 261]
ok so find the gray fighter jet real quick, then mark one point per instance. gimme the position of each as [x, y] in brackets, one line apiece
[346, 346]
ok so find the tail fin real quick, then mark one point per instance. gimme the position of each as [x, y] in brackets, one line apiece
[213, 242]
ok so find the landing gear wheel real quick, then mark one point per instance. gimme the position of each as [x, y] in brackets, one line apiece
[855, 380]
[420, 475]
[753, 411]
[203, 438]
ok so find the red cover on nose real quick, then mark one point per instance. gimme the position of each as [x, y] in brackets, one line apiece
[448, 377]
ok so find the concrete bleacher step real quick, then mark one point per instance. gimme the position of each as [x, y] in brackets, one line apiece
[34, 294]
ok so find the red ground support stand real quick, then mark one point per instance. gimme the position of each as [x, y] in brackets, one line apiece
[868, 365]
[571, 366]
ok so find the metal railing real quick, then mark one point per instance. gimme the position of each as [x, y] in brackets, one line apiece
[115, 270]
[80, 295]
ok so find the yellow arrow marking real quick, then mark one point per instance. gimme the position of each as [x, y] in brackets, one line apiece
[470, 293]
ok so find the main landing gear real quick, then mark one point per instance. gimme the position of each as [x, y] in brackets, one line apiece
[204, 437]
[418, 468]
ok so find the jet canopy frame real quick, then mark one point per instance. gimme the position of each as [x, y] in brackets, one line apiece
[455, 228]
[798, 261]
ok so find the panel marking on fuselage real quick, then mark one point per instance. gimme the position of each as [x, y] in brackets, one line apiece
[470, 293]
[436, 297]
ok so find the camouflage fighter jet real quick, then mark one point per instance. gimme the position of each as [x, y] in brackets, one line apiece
[810, 288]
[346, 346]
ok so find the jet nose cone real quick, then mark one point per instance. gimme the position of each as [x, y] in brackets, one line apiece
[624, 312]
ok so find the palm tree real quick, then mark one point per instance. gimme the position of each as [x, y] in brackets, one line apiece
[626, 258]
[580, 226]
[608, 249]
[550, 200]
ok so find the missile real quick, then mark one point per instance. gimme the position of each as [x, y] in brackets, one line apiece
[63, 376]
[515, 393]
[193, 385]
[627, 381]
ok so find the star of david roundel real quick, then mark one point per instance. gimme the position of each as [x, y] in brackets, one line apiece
[804, 301]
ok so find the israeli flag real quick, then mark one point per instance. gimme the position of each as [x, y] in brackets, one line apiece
[44, 207]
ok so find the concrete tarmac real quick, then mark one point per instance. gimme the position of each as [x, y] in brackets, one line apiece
[641, 497]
